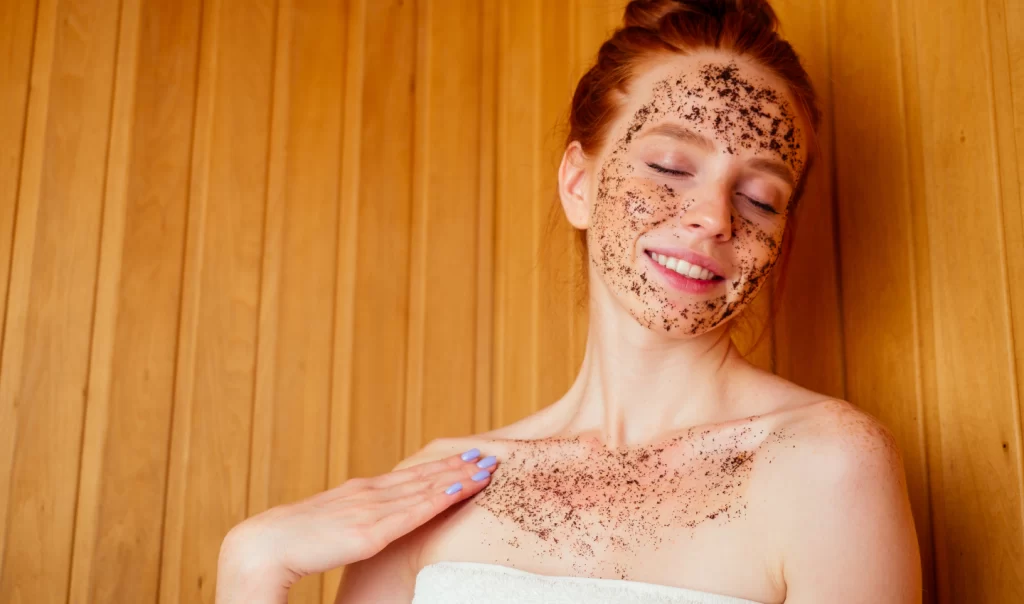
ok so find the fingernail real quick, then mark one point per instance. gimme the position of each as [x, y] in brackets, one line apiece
[455, 488]
[487, 462]
[471, 454]
[482, 474]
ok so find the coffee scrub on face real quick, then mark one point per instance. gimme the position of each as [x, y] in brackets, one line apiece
[739, 112]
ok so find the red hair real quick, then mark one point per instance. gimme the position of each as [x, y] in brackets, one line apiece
[653, 28]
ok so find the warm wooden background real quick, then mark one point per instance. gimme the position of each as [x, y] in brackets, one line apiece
[250, 248]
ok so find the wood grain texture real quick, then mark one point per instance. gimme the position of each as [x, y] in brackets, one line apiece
[250, 249]
[17, 29]
[975, 402]
[52, 295]
[213, 411]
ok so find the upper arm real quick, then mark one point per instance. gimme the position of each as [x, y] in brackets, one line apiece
[850, 534]
[390, 575]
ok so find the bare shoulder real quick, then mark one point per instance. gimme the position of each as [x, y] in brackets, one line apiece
[835, 437]
[837, 495]
[493, 442]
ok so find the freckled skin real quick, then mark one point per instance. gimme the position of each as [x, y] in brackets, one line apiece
[742, 115]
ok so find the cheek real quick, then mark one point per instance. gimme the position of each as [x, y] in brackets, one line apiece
[628, 204]
[757, 246]
[758, 241]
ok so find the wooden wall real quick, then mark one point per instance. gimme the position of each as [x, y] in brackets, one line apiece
[251, 248]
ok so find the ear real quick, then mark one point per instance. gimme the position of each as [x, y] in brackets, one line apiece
[572, 185]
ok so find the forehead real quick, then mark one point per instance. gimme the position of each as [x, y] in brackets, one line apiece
[745, 109]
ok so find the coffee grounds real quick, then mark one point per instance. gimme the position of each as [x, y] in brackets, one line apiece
[600, 506]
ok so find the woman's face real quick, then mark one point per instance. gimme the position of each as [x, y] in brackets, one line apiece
[697, 171]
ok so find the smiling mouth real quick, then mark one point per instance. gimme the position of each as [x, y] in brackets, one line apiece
[684, 268]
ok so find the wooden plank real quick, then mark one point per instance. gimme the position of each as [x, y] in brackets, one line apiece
[556, 367]
[292, 412]
[484, 370]
[382, 246]
[52, 290]
[137, 303]
[516, 280]
[19, 173]
[346, 264]
[982, 538]
[17, 28]
[880, 275]
[210, 446]
[1006, 36]
[27, 201]
[444, 268]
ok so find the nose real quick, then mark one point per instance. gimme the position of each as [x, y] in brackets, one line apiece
[710, 213]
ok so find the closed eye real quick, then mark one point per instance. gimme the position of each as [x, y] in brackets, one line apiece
[760, 204]
[664, 170]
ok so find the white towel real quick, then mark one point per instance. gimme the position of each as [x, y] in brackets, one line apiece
[478, 583]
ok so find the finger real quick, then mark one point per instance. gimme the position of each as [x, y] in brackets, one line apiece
[425, 469]
[464, 474]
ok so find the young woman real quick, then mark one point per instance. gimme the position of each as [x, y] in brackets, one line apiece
[672, 470]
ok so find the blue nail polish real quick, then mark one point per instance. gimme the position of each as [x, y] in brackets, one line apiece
[455, 488]
[487, 462]
[482, 474]
[471, 454]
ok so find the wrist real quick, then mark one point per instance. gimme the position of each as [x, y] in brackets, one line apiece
[247, 574]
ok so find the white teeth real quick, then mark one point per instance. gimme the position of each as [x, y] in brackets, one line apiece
[683, 267]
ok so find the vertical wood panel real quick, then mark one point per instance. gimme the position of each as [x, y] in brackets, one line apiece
[444, 263]
[134, 335]
[291, 417]
[53, 285]
[382, 247]
[1006, 39]
[484, 411]
[515, 304]
[212, 431]
[984, 557]
[26, 70]
[352, 64]
[878, 241]
[556, 367]
[17, 21]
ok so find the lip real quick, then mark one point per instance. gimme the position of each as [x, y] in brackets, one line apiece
[691, 257]
[680, 283]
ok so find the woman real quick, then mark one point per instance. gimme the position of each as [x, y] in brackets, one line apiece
[673, 470]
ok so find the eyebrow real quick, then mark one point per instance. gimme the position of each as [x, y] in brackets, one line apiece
[773, 167]
[681, 133]
[689, 136]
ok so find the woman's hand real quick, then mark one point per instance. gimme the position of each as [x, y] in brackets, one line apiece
[263, 556]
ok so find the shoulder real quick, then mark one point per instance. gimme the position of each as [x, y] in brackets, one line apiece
[832, 453]
[843, 514]
[498, 441]
[489, 443]
[834, 441]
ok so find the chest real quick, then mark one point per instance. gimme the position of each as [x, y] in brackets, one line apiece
[675, 515]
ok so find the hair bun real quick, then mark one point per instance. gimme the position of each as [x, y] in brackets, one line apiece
[649, 14]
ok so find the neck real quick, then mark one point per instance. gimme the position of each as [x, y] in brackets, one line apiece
[635, 384]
